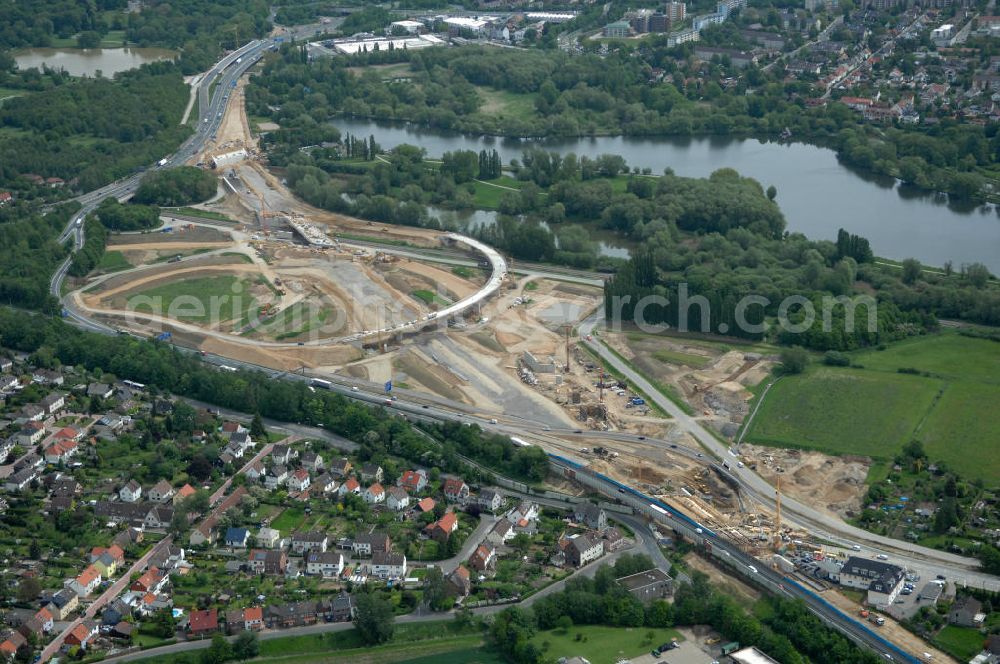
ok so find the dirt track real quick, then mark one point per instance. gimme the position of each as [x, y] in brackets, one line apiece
[167, 246]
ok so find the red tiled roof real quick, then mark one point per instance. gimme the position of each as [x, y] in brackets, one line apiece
[203, 621]
[253, 614]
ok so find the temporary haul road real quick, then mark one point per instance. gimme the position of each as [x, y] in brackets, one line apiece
[439, 409]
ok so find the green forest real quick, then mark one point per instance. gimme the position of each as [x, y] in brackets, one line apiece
[30, 254]
[173, 187]
[586, 94]
[89, 132]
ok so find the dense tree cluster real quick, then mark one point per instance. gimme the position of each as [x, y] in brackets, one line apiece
[445, 446]
[30, 253]
[176, 186]
[38, 22]
[92, 131]
[117, 216]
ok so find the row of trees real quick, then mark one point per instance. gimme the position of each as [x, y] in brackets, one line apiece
[116, 216]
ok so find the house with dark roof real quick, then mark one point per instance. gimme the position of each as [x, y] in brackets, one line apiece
[591, 516]
[237, 537]
[459, 582]
[489, 500]
[388, 565]
[582, 549]
[339, 468]
[967, 611]
[882, 580]
[270, 562]
[367, 544]
[342, 608]
[649, 585]
[309, 541]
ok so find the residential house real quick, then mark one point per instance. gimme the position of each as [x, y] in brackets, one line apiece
[325, 483]
[237, 537]
[442, 529]
[456, 490]
[967, 611]
[47, 377]
[256, 471]
[368, 544]
[5, 197]
[53, 403]
[8, 383]
[250, 619]
[275, 478]
[501, 533]
[20, 480]
[342, 608]
[489, 500]
[115, 612]
[107, 560]
[6, 364]
[294, 614]
[158, 516]
[282, 454]
[371, 472]
[324, 563]
[131, 492]
[883, 581]
[62, 603]
[128, 537]
[374, 494]
[229, 428]
[151, 581]
[268, 538]
[161, 491]
[483, 557]
[388, 565]
[60, 451]
[459, 582]
[350, 485]
[122, 630]
[82, 634]
[649, 585]
[202, 622]
[425, 505]
[527, 511]
[10, 643]
[299, 481]
[32, 412]
[413, 481]
[339, 468]
[612, 539]
[309, 541]
[271, 563]
[312, 461]
[30, 434]
[86, 582]
[183, 494]
[397, 500]
[100, 390]
[591, 516]
[582, 549]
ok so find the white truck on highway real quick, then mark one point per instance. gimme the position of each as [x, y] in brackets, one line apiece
[162, 162]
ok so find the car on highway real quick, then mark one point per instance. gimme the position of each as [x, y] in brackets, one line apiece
[642, 438]
[354, 388]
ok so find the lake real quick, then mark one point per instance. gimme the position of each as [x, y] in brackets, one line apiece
[817, 194]
[88, 61]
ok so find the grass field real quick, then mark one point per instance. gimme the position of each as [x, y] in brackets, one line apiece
[198, 212]
[503, 104]
[204, 299]
[601, 645]
[677, 357]
[113, 261]
[429, 298]
[874, 410]
[489, 192]
[289, 520]
[963, 643]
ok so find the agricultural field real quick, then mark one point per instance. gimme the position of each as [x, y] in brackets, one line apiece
[941, 390]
